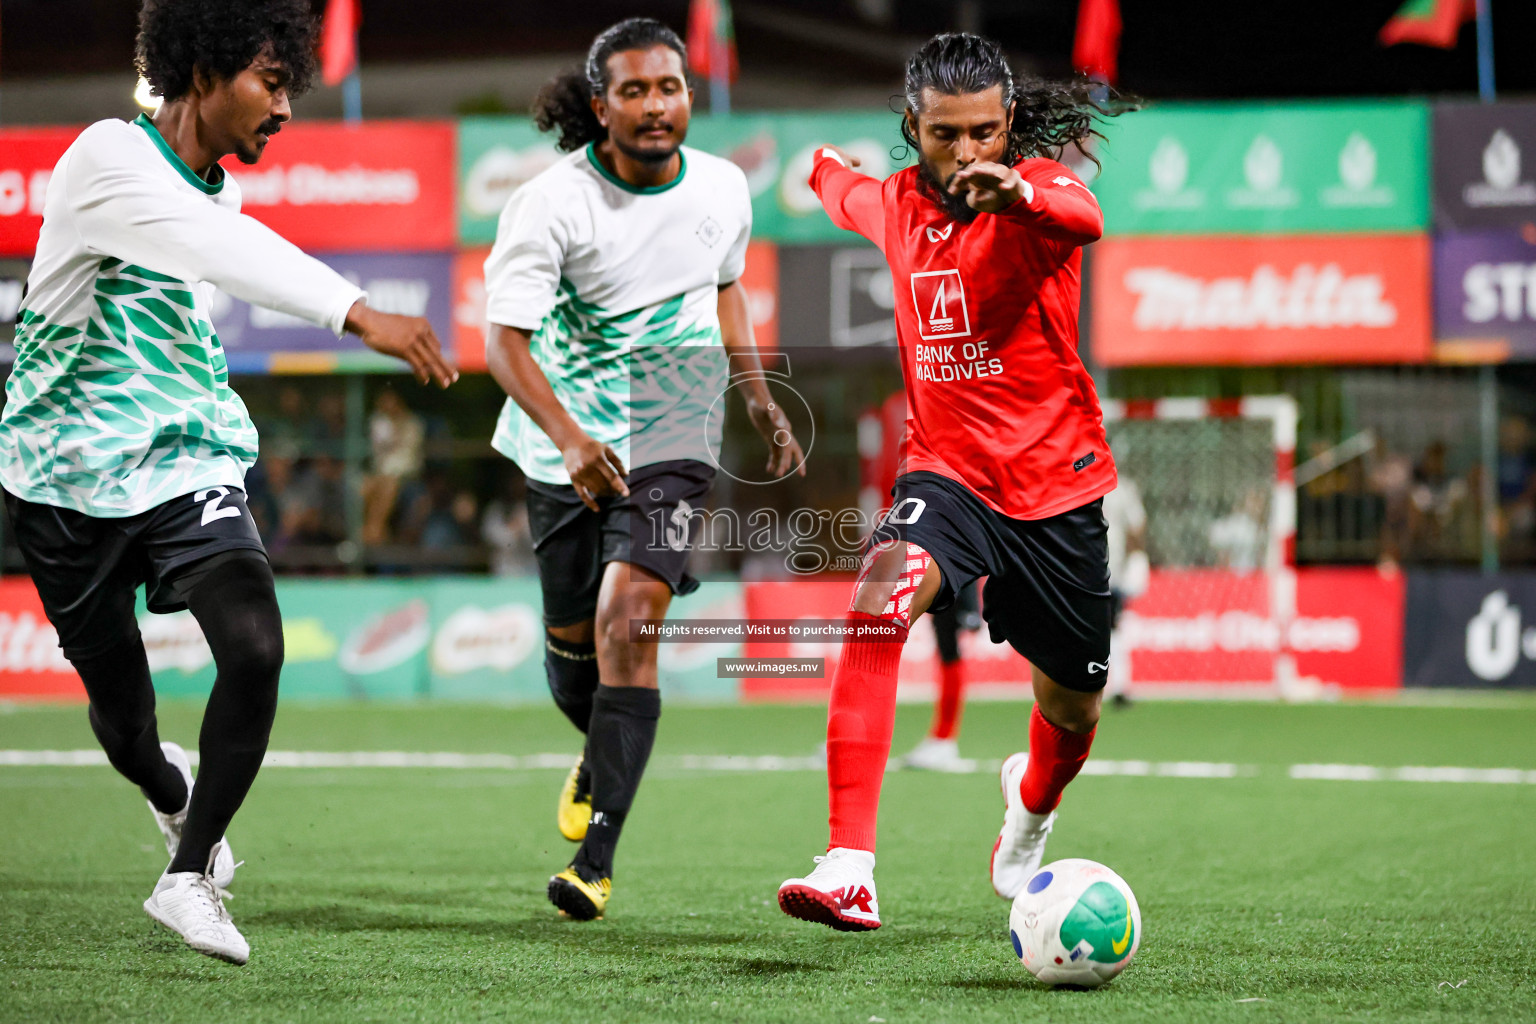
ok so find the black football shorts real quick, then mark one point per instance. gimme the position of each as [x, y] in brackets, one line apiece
[87, 568]
[653, 528]
[1047, 590]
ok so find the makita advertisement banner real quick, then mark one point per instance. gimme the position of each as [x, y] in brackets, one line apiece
[1485, 164]
[1469, 629]
[383, 185]
[258, 340]
[27, 157]
[1240, 169]
[1261, 301]
[1485, 292]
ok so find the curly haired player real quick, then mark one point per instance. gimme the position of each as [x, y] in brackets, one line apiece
[123, 449]
[1005, 463]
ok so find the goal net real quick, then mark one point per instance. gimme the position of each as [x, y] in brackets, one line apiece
[1215, 480]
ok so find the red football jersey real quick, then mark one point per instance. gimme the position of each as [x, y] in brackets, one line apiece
[986, 319]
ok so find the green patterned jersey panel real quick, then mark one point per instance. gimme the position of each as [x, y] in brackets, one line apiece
[125, 407]
[641, 381]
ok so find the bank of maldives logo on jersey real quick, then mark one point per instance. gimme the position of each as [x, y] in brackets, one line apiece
[939, 298]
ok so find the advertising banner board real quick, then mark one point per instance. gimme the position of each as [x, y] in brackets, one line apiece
[1261, 301]
[377, 186]
[1485, 165]
[258, 340]
[27, 156]
[1200, 169]
[1468, 629]
[1485, 293]
[774, 151]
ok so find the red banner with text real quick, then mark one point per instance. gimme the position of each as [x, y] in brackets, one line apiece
[27, 157]
[1261, 301]
[31, 665]
[1192, 628]
[383, 185]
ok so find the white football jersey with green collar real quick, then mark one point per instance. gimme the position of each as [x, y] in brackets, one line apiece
[120, 399]
[620, 286]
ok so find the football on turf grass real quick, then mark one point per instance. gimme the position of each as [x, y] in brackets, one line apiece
[1075, 923]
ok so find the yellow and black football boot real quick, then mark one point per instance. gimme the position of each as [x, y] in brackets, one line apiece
[575, 807]
[580, 899]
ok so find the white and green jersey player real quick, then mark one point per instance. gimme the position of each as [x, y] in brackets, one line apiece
[123, 449]
[620, 284]
[120, 399]
[617, 321]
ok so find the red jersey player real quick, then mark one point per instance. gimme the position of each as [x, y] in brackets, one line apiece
[1005, 463]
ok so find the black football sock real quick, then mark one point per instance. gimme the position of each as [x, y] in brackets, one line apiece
[619, 743]
[122, 715]
[236, 605]
[571, 670]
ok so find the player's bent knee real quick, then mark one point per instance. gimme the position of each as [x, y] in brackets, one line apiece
[889, 579]
[1073, 710]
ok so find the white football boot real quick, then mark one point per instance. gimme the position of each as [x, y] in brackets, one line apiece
[171, 824]
[840, 893]
[191, 904]
[1020, 846]
[933, 755]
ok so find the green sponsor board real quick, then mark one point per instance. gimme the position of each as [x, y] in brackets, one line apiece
[1239, 169]
[449, 638]
[496, 154]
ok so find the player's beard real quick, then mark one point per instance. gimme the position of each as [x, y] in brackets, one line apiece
[652, 157]
[954, 205]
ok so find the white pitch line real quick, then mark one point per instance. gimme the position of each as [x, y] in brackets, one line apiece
[1412, 773]
[774, 763]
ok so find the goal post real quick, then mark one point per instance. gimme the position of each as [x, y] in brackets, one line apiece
[1216, 478]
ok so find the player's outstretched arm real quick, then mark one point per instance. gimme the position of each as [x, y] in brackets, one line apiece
[124, 211]
[594, 467]
[409, 338]
[784, 452]
[852, 200]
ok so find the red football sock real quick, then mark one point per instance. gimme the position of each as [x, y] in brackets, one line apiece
[859, 719]
[946, 711]
[1055, 758]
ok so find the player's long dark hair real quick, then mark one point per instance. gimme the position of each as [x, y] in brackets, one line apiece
[1048, 116]
[564, 104]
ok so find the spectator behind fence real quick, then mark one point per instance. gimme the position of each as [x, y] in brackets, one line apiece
[1517, 489]
[1392, 478]
[504, 529]
[439, 517]
[1436, 508]
[314, 506]
[396, 436]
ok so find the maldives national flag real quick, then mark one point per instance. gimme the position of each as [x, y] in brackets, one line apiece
[709, 33]
[1096, 47]
[338, 40]
[1428, 23]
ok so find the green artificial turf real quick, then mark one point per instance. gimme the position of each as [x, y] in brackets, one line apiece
[418, 894]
